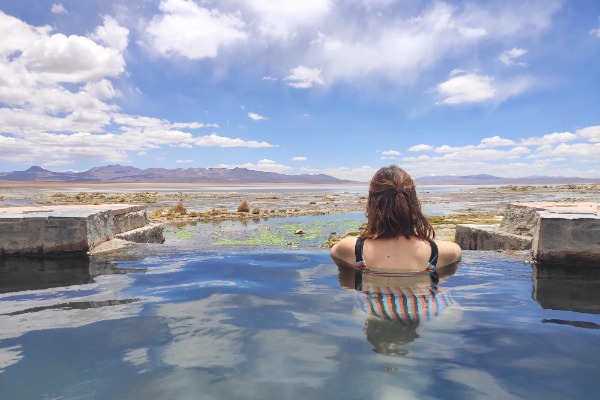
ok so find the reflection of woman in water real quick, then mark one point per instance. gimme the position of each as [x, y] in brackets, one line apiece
[395, 306]
[396, 244]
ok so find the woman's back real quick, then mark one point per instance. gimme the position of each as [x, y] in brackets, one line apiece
[395, 255]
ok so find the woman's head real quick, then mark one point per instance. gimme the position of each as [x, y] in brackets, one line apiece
[393, 208]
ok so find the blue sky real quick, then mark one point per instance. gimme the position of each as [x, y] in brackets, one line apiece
[508, 88]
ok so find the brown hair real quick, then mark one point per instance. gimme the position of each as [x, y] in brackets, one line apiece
[393, 208]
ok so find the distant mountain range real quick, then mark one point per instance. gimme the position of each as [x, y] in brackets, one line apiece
[120, 173]
[484, 179]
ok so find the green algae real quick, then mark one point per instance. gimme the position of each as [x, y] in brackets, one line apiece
[184, 234]
[313, 234]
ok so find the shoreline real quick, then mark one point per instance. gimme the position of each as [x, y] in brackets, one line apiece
[444, 208]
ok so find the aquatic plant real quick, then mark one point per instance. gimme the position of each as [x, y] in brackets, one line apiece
[178, 210]
[285, 234]
[184, 234]
[244, 207]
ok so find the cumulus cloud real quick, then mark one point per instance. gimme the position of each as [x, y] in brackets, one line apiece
[264, 165]
[559, 154]
[389, 154]
[303, 77]
[495, 141]
[466, 88]
[111, 34]
[187, 29]
[45, 121]
[299, 158]
[58, 8]
[256, 117]
[470, 87]
[184, 161]
[420, 147]
[509, 56]
[361, 174]
[591, 133]
[552, 138]
[214, 140]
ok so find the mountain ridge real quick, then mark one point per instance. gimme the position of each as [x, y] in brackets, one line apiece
[126, 174]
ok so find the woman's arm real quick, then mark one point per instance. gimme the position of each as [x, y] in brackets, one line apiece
[449, 253]
[342, 252]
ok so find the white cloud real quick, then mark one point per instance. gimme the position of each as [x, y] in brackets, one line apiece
[580, 150]
[495, 141]
[467, 88]
[47, 122]
[268, 78]
[509, 56]
[399, 48]
[281, 19]
[58, 8]
[192, 31]
[184, 161]
[361, 174]
[303, 77]
[552, 138]
[43, 58]
[390, 153]
[214, 140]
[591, 133]
[264, 165]
[256, 117]
[310, 170]
[299, 159]
[420, 147]
[111, 34]
[102, 90]
[555, 154]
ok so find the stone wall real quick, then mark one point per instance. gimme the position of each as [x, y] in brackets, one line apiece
[71, 229]
[555, 232]
[561, 237]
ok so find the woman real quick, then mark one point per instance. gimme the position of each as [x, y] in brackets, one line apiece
[398, 239]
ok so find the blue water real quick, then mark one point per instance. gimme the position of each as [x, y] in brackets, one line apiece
[281, 324]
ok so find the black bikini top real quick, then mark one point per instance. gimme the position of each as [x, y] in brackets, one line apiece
[361, 265]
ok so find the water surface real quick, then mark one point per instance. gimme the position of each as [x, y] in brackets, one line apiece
[283, 324]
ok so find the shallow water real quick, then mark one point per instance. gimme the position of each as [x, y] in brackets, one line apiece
[279, 323]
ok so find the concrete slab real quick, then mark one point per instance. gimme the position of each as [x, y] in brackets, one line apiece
[489, 237]
[64, 229]
[555, 232]
[58, 211]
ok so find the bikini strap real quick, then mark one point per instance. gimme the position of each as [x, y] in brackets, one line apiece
[360, 264]
[358, 250]
[432, 264]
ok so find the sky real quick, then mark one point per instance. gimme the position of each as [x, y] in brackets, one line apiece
[342, 87]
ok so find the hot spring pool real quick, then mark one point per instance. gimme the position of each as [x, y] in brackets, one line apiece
[279, 324]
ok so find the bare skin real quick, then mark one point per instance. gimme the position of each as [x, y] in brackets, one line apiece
[395, 255]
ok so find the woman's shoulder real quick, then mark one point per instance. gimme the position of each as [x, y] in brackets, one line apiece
[449, 252]
[344, 249]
